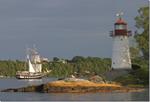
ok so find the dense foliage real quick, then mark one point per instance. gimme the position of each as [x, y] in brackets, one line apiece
[9, 67]
[139, 74]
[80, 65]
[142, 36]
[77, 66]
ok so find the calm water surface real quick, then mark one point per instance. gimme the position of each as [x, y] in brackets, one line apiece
[30, 96]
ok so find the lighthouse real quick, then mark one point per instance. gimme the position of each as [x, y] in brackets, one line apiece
[120, 50]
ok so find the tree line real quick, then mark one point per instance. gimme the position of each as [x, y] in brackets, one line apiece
[78, 65]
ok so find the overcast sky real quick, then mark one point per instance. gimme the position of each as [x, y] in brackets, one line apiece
[61, 28]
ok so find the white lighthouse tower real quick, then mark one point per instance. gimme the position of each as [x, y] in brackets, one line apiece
[120, 53]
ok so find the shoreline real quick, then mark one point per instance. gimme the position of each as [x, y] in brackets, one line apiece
[75, 87]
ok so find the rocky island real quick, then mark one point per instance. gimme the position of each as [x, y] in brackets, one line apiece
[74, 85]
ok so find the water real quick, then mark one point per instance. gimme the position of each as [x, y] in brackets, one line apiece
[31, 96]
[15, 83]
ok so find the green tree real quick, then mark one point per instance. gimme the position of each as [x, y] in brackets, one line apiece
[56, 59]
[134, 51]
[78, 59]
[142, 36]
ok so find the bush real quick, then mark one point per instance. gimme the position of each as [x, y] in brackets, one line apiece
[136, 66]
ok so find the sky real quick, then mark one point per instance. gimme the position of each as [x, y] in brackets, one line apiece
[62, 28]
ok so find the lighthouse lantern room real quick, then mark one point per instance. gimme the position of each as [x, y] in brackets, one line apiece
[120, 52]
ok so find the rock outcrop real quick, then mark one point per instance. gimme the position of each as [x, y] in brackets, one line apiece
[72, 86]
[97, 79]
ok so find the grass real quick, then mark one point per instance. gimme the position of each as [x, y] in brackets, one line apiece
[81, 84]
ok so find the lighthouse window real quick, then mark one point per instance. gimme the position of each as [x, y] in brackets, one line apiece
[120, 27]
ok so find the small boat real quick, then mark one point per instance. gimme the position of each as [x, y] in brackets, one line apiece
[34, 67]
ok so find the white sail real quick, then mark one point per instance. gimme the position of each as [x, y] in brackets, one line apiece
[37, 67]
[40, 67]
[31, 69]
[36, 59]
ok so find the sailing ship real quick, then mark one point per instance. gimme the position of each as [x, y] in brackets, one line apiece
[34, 67]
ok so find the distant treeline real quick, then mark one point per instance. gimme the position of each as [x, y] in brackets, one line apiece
[10, 67]
[78, 65]
[81, 67]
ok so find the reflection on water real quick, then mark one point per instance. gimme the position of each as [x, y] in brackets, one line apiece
[144, 95]
[35, 81]
[140, 96]
[15, 83]
[19, 96]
